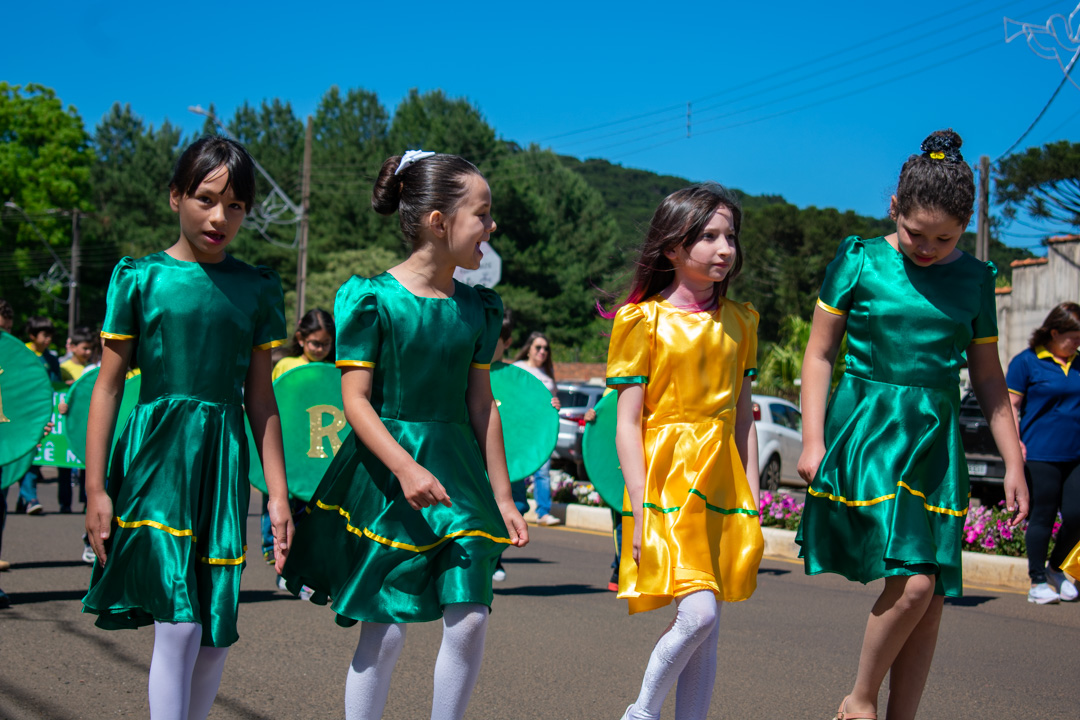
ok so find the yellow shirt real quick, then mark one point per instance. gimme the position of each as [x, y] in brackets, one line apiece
[71, 370]
[286, 364]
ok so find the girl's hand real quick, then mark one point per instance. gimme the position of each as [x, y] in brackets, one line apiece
[637, 540]
[281, 526]
[99, 515]
[1023, 450]
[421, 488]
[515, 525]
[809, 461]
[62, 407]
[1016, 496]
[555, 403]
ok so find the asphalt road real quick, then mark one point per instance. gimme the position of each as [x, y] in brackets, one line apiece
[559, 644]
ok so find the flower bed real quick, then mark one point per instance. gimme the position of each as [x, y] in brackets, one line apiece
[986, 528]
[565, 489]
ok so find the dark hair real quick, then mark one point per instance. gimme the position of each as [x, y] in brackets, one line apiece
[82, 334]
[6, 311]
[37, 323]
[1063, 318]
[678, 222]
[523, 353]
[938, 179]
[206, 155]
[507, 325]
[436, 182]
[315, 319]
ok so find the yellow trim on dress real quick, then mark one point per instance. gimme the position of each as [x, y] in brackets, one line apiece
[225, 561]
[883, 498]
[271, 344]
[115, 336]
[354, 363]
[830, 309]
[134, 524]
[365, 532]
[1016, 392]
[480, 366]
[985, 340]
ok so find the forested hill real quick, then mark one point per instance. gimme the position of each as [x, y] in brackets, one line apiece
[785, 248]
[567, 229]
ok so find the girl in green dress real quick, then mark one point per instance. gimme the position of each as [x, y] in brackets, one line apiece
[409, 521]
[168, 528]
[888, 481]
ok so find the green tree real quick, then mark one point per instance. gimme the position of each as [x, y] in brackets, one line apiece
[1044, 182]
[432, 121]
[45, 162]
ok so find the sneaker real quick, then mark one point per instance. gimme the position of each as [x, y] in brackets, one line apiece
[613, 583]
[88, 555]
[268, 556]
[5, 601]
[305, 593]
[1065, 588]
[34, 508]
[1043, 594]
[548, 519]
[500, 573]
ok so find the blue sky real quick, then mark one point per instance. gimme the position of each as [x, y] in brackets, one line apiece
[768, 113]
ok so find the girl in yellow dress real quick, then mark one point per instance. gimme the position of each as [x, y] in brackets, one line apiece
[682, 357]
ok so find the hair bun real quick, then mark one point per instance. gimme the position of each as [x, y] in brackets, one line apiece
[386, 196]
[943, 142]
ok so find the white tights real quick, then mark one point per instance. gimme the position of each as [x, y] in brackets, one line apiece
[456, 669]
[686, 652]
[184, 677]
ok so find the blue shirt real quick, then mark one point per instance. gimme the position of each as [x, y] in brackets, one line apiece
[1050, 411]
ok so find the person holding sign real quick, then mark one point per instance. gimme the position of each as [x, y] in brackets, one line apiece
[682, 357]
[169, 530]
[415, 508]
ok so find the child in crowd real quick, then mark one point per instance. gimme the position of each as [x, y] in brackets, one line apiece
[173, 514]
[39, 332]
[888, 481]
[682, 357]
[535, 358]
[410, 519]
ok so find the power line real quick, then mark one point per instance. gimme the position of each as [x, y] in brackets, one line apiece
[1045, 108]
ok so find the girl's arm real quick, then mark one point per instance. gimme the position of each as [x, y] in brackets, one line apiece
[262, 412]
[1016, 401]
[487, 426]
[746, 440]
[825, 336]
[104, 406]
[630, 447]
[984, 369]
[421, 488]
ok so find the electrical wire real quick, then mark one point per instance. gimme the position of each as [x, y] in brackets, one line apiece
[1045, 108]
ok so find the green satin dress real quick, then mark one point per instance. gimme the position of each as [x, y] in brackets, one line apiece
[178, 476]
[891, 493]
[360, 542]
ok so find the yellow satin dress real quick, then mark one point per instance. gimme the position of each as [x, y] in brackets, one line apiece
[700, 527]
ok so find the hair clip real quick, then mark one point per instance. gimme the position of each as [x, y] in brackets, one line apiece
[937, 156]
[410, 157]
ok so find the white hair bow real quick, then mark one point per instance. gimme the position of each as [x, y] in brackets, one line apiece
[410, 157]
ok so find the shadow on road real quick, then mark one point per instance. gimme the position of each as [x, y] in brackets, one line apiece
[30, 598]
[259, 596]
[49, 564]
[552, 590]
[969, 600]
[525, 561]
[772, 571]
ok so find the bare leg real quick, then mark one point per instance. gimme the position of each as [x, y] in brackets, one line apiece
[897, 612]
[911, 667]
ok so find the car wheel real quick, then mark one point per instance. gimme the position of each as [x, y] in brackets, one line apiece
[770, 477]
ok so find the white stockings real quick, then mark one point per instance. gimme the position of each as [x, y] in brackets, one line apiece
[184, 677]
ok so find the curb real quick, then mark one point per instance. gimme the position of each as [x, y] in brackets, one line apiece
[979, 568]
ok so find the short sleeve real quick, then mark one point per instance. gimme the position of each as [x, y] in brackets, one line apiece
[489, 335]
[356, 312]
[122, 302]
[984, 326]
[750, 342]
[270, 328]
[841, 277]
[628, 352]
[1018, 375]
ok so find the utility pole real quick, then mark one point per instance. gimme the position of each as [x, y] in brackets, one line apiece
[73, 284]
[305, 204]
[982, 234]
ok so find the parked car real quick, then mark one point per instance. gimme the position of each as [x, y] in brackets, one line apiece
[779, 431]
[575, 399]
[983, 459]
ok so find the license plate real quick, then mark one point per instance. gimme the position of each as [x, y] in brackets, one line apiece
[977, 468]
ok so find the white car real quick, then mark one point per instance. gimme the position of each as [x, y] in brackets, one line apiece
[779, 431]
